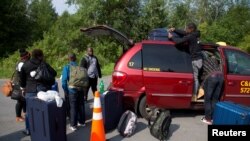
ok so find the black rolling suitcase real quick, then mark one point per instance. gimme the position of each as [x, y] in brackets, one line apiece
[112, 105]
[47, 121]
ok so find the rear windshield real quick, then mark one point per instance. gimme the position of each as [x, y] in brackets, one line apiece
[165, 58]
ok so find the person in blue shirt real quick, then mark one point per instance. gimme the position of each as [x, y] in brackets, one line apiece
[75, 96]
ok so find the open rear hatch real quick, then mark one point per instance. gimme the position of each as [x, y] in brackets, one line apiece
[104, 30]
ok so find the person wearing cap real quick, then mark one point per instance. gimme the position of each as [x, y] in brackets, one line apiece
[21, 104]
[191, 36]
[75, 96]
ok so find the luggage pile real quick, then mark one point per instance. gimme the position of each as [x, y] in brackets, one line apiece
[48, 121]
[114, 116]
[126, 122]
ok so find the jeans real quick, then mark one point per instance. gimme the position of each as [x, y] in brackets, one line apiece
[81, 107]
[77, 108]
[197, 65]
[93, 85]
[66, 97]
[213, 88]
[27, 96]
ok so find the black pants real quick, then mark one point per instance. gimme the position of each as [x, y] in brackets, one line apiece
[66, 97]
[213, 89]
[20, 105]
[93, 85]
[77, 108]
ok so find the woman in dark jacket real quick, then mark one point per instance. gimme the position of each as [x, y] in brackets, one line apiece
[29, 85]
[21, 104]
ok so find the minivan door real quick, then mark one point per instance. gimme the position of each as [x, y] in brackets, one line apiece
[168, 77]
[237, 83]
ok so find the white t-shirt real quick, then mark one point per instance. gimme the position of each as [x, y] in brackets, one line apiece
[19, 66]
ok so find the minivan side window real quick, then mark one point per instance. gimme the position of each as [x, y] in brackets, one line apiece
[237, 62]
[165, 58]
[135, 61]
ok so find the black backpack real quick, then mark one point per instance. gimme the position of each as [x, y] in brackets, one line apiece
[161, 122]
[44, 74]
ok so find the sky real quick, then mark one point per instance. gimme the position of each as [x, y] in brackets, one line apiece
[60, 7]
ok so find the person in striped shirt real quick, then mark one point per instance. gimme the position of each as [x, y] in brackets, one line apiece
[213, 80]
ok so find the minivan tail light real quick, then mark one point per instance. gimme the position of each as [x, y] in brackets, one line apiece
[118, 78]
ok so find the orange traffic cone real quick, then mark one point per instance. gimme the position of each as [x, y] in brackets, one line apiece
[97, 129]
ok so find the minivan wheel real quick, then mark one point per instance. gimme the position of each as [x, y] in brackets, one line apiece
[144, 109]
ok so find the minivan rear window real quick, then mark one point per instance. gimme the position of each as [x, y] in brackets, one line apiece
[135, 61]
[165, 58]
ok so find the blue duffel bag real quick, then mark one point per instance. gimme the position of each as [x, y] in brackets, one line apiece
[160, 34]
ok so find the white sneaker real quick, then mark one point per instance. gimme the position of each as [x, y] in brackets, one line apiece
[204, 120]
[72, 128]
[81, 125]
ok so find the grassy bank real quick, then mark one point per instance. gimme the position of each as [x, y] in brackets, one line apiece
[108, 69]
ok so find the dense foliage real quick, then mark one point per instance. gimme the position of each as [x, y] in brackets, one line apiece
[34, 24]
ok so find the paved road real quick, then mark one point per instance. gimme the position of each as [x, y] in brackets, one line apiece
[186, 125]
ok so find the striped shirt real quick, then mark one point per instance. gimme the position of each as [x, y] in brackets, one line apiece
[210, 66]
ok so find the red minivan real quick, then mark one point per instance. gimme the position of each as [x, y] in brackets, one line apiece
[159, 73]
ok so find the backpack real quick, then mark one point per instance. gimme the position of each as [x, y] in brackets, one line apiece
[44, 74]
[161, 123]
[127, 124]
[78, 77]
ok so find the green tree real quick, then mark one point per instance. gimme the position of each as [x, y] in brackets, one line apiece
[209, 10]
[180, 16]
[197, 11]
[245, 44]
[119, 14]
[14, 26]
[42, 16]
[231, 28]
[153, 14]
[57, 35]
